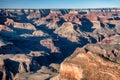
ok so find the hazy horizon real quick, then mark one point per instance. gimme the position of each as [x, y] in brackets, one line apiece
[59, 4]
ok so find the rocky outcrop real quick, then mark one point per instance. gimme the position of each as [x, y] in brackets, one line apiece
[4, 42]
[111, 40]
[39, 33]
[33, 16]
[24, 62]
[24, 26]
[3, 27]
[90, 64]
[9, 21]
[28, 26]
[72, 18]
[40, 21]
[48, 43]
[67, 31]
[2, 70]
[13, 66]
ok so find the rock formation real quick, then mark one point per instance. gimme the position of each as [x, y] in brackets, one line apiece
[92, 62]
[49, 44]
[60, 44]
[67, 31]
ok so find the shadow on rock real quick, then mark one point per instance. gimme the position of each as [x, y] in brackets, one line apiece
[11, 67]
[86, 25]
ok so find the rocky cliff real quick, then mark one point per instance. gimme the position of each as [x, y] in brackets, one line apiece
[93, 62]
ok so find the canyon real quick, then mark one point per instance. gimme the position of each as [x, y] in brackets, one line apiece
[60, 44]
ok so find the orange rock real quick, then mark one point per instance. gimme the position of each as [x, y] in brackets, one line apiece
[3, 27]
[88, 66]
[67, 31]
[48, 43]
[9, 21]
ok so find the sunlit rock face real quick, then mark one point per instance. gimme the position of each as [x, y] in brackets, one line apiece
[28, 26]
[67, 31]
[3, 27]
[48, 43]
[92, 62]
[59, 44]
[34, 15]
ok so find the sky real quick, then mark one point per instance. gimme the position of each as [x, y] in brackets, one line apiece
[59, 4]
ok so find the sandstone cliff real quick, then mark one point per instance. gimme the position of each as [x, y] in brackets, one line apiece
[93, 62]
